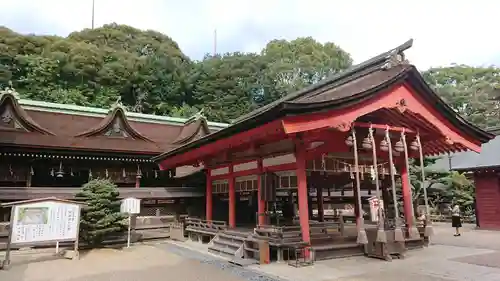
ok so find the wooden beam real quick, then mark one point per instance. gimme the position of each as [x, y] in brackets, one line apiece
[402, 98]
[381, 126]
[271, 129]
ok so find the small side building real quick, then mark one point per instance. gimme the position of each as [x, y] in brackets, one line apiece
[484, 169]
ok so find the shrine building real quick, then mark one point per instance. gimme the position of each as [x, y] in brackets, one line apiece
[278, 173]
[49, 149]
[483, 169]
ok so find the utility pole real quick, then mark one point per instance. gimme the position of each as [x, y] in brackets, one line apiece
[93, 6]
[215, 42]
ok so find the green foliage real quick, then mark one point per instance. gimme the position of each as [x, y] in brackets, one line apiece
[293, 65]
[147, 69]
[443, 187]
[101, 216]
[227, 84]
[94, 67]
[471, 91]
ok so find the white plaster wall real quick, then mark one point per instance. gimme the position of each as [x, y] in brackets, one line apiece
[245, 166]
[278, 160]
[219, 171]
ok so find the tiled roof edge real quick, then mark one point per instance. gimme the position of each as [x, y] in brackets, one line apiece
[101, 112]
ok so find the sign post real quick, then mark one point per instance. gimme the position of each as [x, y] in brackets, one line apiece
[130, 206]
[43, 220]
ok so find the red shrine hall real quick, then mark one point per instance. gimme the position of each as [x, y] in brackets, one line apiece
[346, 140]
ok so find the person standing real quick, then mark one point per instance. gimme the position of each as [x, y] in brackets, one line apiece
[456, 221]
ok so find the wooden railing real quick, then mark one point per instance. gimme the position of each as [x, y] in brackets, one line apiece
[279, 235]
[204, 227]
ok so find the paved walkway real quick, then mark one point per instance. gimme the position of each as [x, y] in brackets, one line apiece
[473, 256]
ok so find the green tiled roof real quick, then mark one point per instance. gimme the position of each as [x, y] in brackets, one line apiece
[101, 112]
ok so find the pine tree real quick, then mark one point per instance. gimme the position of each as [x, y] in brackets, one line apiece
[101, 216]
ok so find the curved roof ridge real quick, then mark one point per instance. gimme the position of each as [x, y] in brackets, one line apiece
[116, 111]
[192, 127]
[383, 60]
[10, 95]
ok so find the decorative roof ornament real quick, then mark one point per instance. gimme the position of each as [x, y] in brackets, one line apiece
[118, 104]
[197, 116]
[9, 91]
[395, 57]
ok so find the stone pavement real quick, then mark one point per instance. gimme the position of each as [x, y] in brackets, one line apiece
[473, 256]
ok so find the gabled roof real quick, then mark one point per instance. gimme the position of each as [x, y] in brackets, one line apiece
[11, 111]
[53, 126]
[116, 117]
[195, 127]
[353, 86]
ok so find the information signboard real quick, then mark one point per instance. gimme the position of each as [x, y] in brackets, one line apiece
[131, 206]
[45, 221]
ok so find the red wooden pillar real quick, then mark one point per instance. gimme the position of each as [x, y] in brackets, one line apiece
[261, 204]
[300, 155]
[209, 196]
[407, 203]
[232, 199]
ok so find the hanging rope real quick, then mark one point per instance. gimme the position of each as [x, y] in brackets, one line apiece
[413, 231]
[398, 234]
[362, 238]
[428, 227]
[381, 236]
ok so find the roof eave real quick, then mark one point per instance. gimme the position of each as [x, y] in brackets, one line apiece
[417, 81]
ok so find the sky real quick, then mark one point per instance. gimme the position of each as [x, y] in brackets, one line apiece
[444, 32]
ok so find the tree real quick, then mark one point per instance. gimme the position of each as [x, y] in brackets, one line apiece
[101, 217]
[226, 85]
[94, 67]
[293, 65]
[443, 187]
[472, 91]
[150, 74]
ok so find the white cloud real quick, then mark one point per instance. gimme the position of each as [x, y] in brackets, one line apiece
[445, 31]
